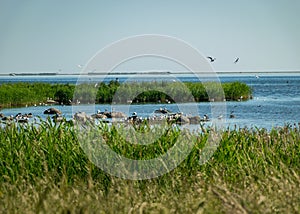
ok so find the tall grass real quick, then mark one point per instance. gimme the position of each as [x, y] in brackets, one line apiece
[21, 94]
[44, 169]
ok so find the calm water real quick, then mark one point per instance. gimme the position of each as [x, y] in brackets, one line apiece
[276, 100]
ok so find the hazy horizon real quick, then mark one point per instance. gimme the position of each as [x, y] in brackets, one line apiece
[157, 72]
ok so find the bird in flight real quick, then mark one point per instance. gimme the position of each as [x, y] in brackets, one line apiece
[236, 60]
[211, 59]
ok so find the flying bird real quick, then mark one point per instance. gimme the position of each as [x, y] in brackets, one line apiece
[211, 59]
[236, 60]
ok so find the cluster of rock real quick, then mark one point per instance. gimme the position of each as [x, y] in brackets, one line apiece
[83, 117]
[164, 115]
[107, 114]
[179, 118]
[20, 118]
[160, 115]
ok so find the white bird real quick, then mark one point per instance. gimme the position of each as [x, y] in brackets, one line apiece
[211, 59]
[220, 117]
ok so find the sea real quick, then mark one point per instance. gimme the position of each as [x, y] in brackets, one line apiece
[275, 103]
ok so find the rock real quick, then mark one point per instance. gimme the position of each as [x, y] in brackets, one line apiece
[194, 119]
[51, 102]
[114, 114]
[183, 120]
[162, 111]
[99, 116]
[52, 111]
[82, 117]
[118, 115]
[106, 113]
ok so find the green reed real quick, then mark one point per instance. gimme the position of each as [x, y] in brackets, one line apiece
[22, 94]
[43, 169]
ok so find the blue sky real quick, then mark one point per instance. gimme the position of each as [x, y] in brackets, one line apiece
[52, 35]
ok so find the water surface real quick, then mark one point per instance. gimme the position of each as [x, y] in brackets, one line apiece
[276, 99]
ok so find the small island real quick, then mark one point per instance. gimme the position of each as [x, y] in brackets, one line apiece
[29, 94]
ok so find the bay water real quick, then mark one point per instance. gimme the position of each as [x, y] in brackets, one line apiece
[276, 99]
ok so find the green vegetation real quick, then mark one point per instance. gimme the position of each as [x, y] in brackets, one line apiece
[21, 94]
[44, 170]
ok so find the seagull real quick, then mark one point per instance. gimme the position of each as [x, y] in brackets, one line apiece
[220, 117]
[211, 59]
[236, 60]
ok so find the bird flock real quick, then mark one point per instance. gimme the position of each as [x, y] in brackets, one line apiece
[212, 59]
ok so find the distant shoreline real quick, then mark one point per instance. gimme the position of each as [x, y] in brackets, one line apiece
[148, 73]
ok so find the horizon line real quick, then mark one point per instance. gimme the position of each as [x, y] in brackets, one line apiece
[162, 72]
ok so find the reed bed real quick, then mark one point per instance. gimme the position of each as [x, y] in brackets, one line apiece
[27, 94]
[43, 169]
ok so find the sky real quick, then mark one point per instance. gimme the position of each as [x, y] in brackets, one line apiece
[59, 35]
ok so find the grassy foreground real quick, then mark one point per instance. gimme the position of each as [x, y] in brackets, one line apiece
[44, 170]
